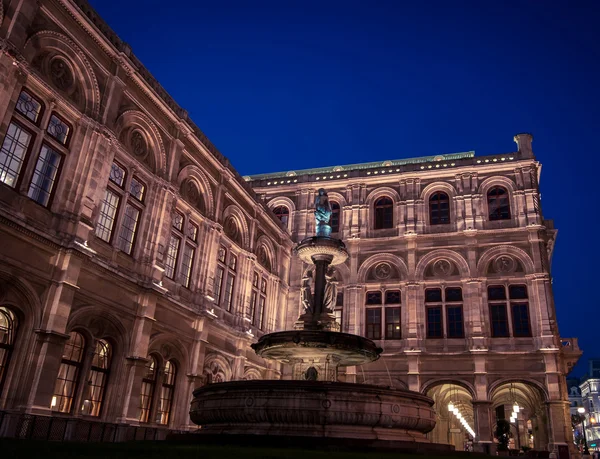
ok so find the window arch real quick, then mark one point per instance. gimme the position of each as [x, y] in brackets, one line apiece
[498, 203]
[439, 208]
[384, 213]
[283, 214]
[165, 402]
[8, 331]
[68, 374]
[148, 386]
[98, 376]
[334, 222]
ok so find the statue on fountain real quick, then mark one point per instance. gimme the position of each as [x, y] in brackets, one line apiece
[306, 294]
[330, 296]
[322, 213]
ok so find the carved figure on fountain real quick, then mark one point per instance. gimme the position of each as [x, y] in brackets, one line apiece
[306, 295]
[323, 213]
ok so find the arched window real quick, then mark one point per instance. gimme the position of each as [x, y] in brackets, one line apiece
[68, 374]
[498, 204]
[384, 213]
[165, 401]
[97, 379]
[334, 222]
[148, 385]
[8, 330]
[283, 214]
[439, 208]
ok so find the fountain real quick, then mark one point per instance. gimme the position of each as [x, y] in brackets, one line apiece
[314, 404]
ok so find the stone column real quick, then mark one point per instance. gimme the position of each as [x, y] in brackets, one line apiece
[52, 335]
[484, 422]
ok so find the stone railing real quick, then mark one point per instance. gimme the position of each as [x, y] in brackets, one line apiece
[58, 428]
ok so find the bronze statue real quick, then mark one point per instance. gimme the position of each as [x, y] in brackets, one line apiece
[322, 213]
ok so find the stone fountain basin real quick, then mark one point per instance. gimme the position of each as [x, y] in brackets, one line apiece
[307, 345]
[313, 409]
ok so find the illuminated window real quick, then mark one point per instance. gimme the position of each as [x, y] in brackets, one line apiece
[439, 208]
[165, 401]
[68, 374]
[384, 213]
[147, 392]
[97, 379]
[8, 330]
[498, 204]
[12, 154]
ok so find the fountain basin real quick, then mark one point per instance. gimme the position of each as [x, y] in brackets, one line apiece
[319, 246]
[291, 346]
[313, 409]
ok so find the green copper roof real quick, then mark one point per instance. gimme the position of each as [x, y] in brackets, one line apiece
[352, 167]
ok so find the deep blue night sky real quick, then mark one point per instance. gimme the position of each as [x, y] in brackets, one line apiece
[291, 84]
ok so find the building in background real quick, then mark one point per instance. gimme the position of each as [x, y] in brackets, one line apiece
[590, 398]
[137, 264]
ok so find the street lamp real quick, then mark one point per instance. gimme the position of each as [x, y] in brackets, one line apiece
[581, 411]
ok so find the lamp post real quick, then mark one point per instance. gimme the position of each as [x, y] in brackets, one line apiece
[581, 411]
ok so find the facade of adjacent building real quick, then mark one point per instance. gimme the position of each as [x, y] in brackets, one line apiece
[590, 400]
[137, 264]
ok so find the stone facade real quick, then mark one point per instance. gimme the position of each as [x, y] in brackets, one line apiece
[136, 264]
[449, 271]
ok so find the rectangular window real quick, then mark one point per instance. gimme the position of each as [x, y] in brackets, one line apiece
[392, 297]
[12, 154]
[499, 320]
[228, 293]
[520, 319]
[171, 259]
[44, 176]
[218, 284]
[117, 174]
[186, 265]
[58, 129]
[146, 400]
[373, 297]
[177, 221]
[137, 189]
[193, 232]
[433, 295]
[108, 212]
[222, 254]
[374, 323]
[434, 322]
[128, 229]
[338, 312]
[454, 319]
[96, 385]
[64, 389]
[261, 312]
[29, 106]
[252, 311]
[392, 323]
